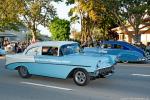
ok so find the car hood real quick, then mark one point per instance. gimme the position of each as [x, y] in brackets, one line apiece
[90, 59]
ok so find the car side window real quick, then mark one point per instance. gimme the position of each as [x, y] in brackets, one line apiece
[51, 51]
[117, 46]
[106, 46]
[34, 51]
[125, 48]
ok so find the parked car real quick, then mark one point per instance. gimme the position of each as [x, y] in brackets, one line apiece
[96, 51]
[60, 59]
[2, 52]
[124, 51]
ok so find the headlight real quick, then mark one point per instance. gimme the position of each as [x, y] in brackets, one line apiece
[142, 59]
[117, 59]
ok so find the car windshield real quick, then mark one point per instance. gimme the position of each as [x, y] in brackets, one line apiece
[70, 49]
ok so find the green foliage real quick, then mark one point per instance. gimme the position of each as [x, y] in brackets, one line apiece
[37, 12]
[60, 29]
[69, 2]
[38, 36]
[93, 15]
[131, 12]
[29, 12]
[9, 14]
[106, 14]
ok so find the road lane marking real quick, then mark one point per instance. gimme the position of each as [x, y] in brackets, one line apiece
[42, 85]
[141, 75]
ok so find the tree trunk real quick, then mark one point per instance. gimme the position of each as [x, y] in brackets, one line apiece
[137, 38]
[33, 35]
[82, 31]
[130, 38]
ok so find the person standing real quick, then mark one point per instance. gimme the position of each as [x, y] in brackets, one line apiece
[148, 49]
[142, 46]
[16, 47]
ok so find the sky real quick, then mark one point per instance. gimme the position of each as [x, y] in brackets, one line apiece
[62, 12]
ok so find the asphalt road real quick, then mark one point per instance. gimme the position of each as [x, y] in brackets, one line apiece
[130, 82]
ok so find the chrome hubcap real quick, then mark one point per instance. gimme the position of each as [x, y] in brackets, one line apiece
[80, 77]
[23, 71]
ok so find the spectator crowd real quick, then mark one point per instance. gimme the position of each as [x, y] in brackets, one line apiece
[14, 46]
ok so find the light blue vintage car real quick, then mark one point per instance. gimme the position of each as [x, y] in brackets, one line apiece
[124, 51]
[60, 59]
[2, 52]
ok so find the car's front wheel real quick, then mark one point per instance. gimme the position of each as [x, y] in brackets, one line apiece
[23, 72]
[81, 77]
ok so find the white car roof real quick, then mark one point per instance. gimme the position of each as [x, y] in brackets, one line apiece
[51, 43]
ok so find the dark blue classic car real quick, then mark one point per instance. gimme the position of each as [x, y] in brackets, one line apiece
[124, 51]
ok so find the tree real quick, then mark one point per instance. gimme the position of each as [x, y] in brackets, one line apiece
[60, 29]
[93, 15]
[29, 12]
[37, 12]
[130, 13]
[9, 14]
[29, 36]
[102, 29]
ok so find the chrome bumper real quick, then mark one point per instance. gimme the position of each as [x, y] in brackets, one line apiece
[106, 71]
[103, 72]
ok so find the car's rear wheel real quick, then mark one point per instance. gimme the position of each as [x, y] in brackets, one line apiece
[81, 77]
[23, 72]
